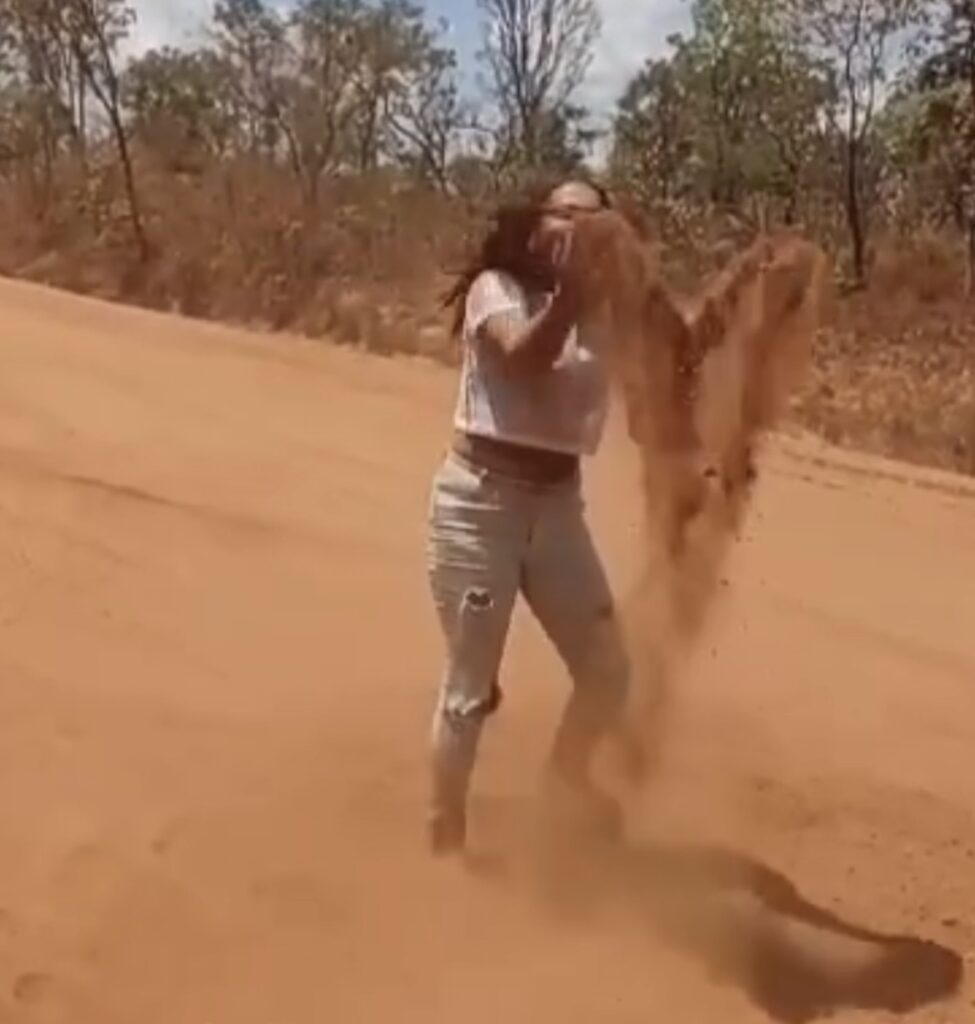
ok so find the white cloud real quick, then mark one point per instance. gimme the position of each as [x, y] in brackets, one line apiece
[633, 30]
[169, 22]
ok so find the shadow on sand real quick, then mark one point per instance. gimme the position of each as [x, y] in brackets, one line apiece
[795, 960]
[751, 928]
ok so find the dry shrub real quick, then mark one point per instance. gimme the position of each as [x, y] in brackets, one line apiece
[364, 265]
[925, 267]
[238, 242]
[894, 373]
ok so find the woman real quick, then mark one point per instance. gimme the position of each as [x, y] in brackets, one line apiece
[507, 513]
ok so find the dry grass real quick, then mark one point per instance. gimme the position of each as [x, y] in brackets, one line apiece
[893, 372]
[238, 244]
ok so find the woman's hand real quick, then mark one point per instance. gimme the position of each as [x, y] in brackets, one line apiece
[533, 346]
[568, 265]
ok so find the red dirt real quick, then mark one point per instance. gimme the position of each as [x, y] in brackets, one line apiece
[219, 660]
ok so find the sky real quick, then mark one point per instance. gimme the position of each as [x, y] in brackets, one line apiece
[632, 31]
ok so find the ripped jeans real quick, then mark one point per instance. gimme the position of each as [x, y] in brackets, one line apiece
[492, 537]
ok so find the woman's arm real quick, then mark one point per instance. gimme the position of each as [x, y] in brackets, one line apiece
[532, 346]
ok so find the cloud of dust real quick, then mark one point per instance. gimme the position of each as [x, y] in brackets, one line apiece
[702, 387]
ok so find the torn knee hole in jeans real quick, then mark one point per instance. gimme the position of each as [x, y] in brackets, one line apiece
[460, 708]
[478, 599]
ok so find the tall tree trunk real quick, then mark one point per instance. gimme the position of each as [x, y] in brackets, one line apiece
[970, 263]
[83, 122]
[132, 194]
[108, 94]
[854, 212]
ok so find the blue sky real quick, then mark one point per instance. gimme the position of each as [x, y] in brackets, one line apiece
[633, 30]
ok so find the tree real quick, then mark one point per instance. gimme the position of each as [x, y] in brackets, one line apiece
[324, 96]
[181, 104]
[732, 118]
[652, 134]
[251, 39]
[425, 113]
[63, 56]
[393, 41]
[948, 127]
[95, 28]
[536, 53]
[757, 102]
[45, 95]
[295, 80]
[952, 47]
[723, 60]
[340, 86]
[930, 127]
[852, 40]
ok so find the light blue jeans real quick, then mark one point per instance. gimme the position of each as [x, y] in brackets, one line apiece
[491, 538]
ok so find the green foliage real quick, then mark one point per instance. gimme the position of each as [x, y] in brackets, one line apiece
[341, 85]
[183, 104]
[930, 127]
[737, 111]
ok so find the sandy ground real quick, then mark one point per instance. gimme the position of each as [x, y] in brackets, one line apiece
[218, 662]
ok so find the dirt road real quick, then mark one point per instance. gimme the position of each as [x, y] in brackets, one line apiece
[218, 661]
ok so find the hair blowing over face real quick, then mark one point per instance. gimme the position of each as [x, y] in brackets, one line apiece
[505, 247]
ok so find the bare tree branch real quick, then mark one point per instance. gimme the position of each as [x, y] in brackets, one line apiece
[537, 53]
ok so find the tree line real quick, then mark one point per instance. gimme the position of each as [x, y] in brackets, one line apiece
[836, 115]
[802, 111]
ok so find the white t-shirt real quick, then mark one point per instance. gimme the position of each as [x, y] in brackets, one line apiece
[563, 409]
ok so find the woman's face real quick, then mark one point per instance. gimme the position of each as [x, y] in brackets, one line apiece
[553, 233]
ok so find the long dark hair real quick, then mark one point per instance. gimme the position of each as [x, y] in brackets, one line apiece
[505, 246]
